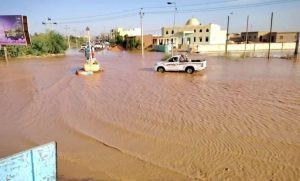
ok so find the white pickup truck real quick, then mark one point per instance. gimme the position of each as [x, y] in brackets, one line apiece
[180, 63]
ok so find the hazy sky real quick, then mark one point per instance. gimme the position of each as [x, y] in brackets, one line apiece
[101, 16]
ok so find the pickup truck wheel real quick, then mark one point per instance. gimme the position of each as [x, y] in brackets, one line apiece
[161, 69]
[189, 70]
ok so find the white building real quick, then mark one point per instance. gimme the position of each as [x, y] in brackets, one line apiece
[128, 32]
[193, 33]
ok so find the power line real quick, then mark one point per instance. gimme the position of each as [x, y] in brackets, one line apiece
[120, 14]
[136, 10]
[99, 15]
[240, 6]
[99, 19]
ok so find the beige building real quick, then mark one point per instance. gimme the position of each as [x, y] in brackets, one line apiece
[276, 37]
[255, 36]
[194, 33]
[128, 32]
[285, 37]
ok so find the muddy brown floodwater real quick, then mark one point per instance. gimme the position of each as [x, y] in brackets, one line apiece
[237, 120]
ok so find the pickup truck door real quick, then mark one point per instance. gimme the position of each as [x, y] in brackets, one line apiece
[172, 64]
[181, 66]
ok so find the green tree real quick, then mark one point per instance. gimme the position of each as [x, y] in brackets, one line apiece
[119, 40]
[43, 43]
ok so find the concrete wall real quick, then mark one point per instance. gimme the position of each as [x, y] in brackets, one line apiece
[162, 48]
[241, 47]
[148, 40]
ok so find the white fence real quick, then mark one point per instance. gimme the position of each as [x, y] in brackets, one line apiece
[240, 48]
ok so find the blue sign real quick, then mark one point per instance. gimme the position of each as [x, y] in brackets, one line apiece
[36, 164]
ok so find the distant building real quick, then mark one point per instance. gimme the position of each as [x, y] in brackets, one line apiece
[128, 32]
[193, 33]
[283, 37]
[235, 38]
[263, 36]
[148, 40]
[255, 36]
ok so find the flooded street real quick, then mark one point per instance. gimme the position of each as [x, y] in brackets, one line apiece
[237, 120]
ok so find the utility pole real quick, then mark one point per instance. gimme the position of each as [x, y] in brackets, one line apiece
[142, 35]
[175, 9]
[297, 46]
[227, 35]
[270, 35]
[246, 40]
[68, 36]
[76, 37]
[5, 54]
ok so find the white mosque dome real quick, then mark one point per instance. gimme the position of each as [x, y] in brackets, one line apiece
[192, 22]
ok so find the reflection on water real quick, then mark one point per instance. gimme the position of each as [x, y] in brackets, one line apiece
[237, 120]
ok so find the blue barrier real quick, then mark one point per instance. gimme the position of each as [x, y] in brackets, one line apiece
[39, 163]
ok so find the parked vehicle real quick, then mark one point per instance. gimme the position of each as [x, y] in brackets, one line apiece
[98, 46]
[180, 63]
[82, 47]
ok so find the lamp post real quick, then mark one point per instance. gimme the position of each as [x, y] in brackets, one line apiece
[227, 33]
[175, 9]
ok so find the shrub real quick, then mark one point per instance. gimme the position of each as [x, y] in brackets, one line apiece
[43, 43]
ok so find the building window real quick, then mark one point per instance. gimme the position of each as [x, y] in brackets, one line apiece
[194, 30]
[207, 30]
[243, 37]
[167, 32]
[188, 40]
[206, 39]
[254, 37]
[281, 37]
[200, 39]
[172, 31]
[194, 39]
[200, 30]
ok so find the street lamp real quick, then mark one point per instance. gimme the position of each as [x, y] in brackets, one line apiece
[175, 9]
[227, 33]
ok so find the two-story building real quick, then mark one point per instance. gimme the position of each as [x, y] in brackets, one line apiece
[193, 33]
[124, 31]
